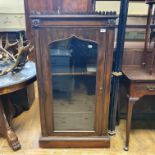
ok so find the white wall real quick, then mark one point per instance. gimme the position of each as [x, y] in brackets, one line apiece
[12, 14]
[138, 8]
[11, 6]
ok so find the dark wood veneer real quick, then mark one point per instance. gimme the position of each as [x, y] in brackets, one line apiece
[89, 26]
[74, 142]
[138, 83]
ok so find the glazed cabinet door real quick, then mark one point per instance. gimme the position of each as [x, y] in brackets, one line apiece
[71, 76]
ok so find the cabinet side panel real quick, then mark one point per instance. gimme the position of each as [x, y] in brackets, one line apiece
[108, 73]
[34, 5]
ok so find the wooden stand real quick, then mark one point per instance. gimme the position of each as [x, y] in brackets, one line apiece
[81, 30]
[138, 80]
[137, 87]
[7, 110]
[5, 121]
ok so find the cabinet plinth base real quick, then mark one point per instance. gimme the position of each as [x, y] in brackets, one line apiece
[74, 142]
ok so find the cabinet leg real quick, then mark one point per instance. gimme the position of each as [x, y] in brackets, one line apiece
[6, 130]
[130, 104]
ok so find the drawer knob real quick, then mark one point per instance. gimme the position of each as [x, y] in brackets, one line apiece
[101, 88]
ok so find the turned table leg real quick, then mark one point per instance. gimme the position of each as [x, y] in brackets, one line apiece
[6, 131]
[130, 104]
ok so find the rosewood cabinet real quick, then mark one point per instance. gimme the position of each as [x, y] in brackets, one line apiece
[74, 52]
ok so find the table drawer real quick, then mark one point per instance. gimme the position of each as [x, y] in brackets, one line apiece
[141, 89]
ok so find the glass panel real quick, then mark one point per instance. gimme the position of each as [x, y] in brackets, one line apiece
[73, 65]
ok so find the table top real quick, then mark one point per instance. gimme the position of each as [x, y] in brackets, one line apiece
[137, 73]
[26, 74]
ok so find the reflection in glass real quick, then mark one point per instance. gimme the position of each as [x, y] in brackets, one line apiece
[73, 65]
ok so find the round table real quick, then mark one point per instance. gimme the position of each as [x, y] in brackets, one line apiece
[8, 84]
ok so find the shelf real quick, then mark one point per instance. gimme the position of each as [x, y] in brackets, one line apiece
[74, 73]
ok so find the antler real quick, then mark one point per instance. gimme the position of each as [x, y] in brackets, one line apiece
[4, 50]
[1, 56]
[8, 44]
[1, 40]
[23, 49]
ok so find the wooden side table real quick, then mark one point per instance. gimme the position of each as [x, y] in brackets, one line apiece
[10, 83]
[138, 83]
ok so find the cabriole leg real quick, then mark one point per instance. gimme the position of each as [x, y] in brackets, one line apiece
[6, 131]
[130, 104]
